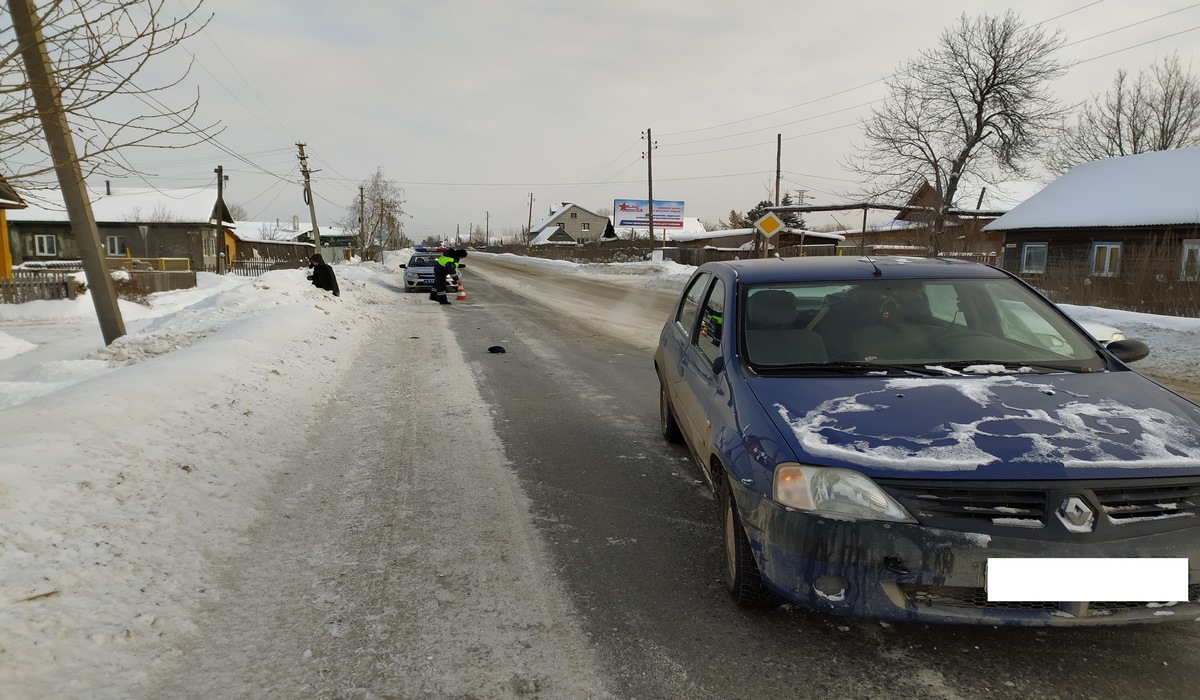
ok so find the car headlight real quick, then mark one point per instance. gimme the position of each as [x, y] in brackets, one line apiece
[834, 492]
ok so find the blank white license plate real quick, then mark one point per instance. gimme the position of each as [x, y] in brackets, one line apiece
[1087, 580]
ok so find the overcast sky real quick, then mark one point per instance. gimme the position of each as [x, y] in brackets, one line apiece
[472, 105]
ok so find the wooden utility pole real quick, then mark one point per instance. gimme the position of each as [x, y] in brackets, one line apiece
[529, 226]
[778, 164]
[45, 89]
[650, 188]
[362, 217]
[766, 243]
[220, 249]
[308, 199]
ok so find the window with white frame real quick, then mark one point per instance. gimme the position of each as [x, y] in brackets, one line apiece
[1033, 258]
[1189, 269]
[584, 226]
[46, 244]
[1106, 259]
[115, 245]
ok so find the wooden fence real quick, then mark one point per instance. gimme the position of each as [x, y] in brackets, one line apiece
[26, 286]
[254, 268]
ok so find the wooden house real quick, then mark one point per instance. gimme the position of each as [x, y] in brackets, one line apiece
[1100, 216]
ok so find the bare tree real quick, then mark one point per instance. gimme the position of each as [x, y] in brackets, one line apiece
[274, 232]
[1157, 111]
[99, 50]
[381, 226]
[160, 214]
[978, 104]
[238, 212]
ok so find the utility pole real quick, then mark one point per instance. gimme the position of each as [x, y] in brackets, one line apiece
[45, 89]
[650, 146]
[778, 164]
[529, 226]
[220, 171]
[487, 227]
[308, 198]
[362, 219]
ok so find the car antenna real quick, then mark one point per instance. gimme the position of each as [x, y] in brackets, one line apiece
[878, 272]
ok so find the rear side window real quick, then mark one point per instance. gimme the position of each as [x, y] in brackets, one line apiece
[686, 315]
[712, 322]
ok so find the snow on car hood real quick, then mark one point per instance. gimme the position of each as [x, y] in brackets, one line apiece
[1042, 426]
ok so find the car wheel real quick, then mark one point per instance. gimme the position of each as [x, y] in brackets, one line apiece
[666, 417]
[742, 577]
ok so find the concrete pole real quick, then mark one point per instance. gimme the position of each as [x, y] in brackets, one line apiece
[308, 197]
[44, 86]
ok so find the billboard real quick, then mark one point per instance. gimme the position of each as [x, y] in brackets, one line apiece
[636, 212]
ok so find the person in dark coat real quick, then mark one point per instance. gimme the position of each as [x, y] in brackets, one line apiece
[322, 275]
[445, 266]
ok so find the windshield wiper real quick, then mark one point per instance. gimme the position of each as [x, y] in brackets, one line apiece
[1012, 364]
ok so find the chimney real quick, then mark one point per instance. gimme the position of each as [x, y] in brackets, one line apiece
[107, 187]
[295, 223]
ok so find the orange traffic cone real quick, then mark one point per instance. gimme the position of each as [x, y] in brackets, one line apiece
[462, 292]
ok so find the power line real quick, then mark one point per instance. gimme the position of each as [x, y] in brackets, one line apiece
[878, 80]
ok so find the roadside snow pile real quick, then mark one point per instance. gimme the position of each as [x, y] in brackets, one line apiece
[109, 494]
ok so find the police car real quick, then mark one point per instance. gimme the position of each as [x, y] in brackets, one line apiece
[418, 271]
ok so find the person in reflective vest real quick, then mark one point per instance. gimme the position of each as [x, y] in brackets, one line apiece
[445, 266]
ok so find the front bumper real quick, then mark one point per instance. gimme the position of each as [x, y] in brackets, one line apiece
[917, 573]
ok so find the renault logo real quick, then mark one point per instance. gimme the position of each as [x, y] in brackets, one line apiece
[1076, 514]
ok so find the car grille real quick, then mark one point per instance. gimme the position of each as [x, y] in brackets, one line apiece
[1027, 508]
[976, 598]
[1130, 505]
[1122, 507]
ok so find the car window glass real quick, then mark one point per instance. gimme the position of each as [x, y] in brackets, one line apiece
[1026, 319]
[712, 322]
[686, 316]
[943, 303]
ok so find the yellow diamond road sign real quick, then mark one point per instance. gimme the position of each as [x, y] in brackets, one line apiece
[769, 224]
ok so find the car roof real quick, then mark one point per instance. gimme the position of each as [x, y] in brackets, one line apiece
[852, 267]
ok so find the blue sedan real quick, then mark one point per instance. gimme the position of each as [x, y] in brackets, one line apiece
[930, 440]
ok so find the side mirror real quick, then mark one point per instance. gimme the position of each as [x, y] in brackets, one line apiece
[403, 266]
[462, 264]
[1128, 350]
[718, 364]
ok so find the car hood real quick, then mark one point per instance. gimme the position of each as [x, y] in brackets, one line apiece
[1013, 426]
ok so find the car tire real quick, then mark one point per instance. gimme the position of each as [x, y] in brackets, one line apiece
[743, 580]
[666, 417]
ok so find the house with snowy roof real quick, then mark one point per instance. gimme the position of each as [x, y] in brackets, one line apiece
[1099, 217]
[177, 224]
[279, 243]
[568, 224]
[9, 199]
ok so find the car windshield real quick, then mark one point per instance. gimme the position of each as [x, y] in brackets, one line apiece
[953, 324]
[422, 260]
